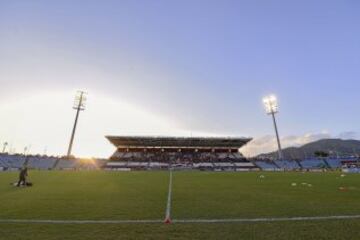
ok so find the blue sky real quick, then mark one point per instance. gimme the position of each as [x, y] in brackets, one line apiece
[189, 66]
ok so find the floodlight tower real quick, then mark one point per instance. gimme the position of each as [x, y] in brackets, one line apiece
[4, 147]
[271, 107]
[79, 105]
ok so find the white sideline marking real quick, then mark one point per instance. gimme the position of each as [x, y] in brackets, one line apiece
[182, 221]
[168, 205]
[252, 220]
[27, 221]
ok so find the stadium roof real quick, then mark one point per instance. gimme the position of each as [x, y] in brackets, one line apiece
[178, 142]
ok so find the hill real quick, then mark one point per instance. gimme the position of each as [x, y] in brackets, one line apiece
[334, 147]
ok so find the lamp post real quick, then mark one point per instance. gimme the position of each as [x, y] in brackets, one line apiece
[4, 147]
[25, 150]
[79, 105]
[271, 107]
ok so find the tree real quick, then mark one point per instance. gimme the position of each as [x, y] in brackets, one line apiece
[321, 154]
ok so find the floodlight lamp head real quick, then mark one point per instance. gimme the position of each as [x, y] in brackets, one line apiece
[271, 104]
[80, 100]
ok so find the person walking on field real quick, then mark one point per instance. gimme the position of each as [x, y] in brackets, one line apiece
[22, 177]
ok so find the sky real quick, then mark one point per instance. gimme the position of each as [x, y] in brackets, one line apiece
[179, 68]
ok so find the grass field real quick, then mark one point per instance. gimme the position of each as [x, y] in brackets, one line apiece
[195, 195]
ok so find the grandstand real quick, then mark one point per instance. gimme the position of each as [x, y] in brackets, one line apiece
[41, 163]
[11, 161]
[334, 162]
[288, 164]
[304, 164]
[313, 163]
[180, 153]
[266, 165]
[17, 161]
[140, 153]
[181, 160]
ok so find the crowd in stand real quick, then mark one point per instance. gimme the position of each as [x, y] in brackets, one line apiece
[178, 157]
[203, 160]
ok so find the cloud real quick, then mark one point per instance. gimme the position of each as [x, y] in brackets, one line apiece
[44, 121]
[348, 135]
[268, 143]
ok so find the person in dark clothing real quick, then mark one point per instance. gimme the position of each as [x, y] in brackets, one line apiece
[22, 177]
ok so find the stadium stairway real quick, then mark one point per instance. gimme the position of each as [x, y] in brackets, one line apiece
[298, 162]
[326, 163]
[287, 164]
[277, 165]
[56, 163]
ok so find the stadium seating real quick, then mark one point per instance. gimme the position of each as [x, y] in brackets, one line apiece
[266, 165]
[200, 161]
[204, 165]
[158, 165]
[17, 161]
[12, 161]
[224, 164]
[243, 164]
[116, 164]
[313, 163]
[41, 162]
[334, 163]
[287, 164]
[67, 164]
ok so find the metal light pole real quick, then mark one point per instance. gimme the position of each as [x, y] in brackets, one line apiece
[271, 107]
[4, 147]
[25, 150]
[79, 105]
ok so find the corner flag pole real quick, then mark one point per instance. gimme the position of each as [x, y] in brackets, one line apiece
[79, 105]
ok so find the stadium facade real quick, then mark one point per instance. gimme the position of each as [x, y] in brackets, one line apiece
[203, 153]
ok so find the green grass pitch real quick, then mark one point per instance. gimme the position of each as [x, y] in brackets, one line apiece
[98, 195]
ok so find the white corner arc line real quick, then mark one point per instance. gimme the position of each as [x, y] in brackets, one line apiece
[168, 204]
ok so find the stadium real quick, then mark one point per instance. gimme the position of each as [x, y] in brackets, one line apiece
[137, 153]
[176, 130]
[200, 186]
